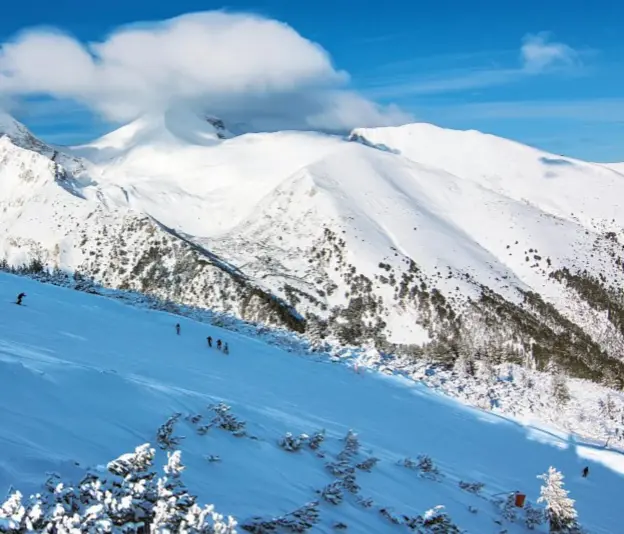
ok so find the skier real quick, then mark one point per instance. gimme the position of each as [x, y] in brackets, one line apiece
[226, 350]
[209, 341]
[19, 298]
[219, 344]
[178, 328]
[585, 471]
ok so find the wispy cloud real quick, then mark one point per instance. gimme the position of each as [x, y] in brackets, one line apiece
[453, 81]
[250, 68]
[538, 55]
[604, 110]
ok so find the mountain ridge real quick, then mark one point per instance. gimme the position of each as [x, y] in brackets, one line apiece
[408, 247]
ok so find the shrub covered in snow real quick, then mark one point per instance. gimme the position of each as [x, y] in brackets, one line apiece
[368, 464]
[424, 465]
[132, 500]
[332, 493]
[472, 487]
[301, 520]
[316, 440]
[291, 443]
[434, 521]
[507, 507]
[533, 517]
[351, 446]
[225, 420]
[164, 435]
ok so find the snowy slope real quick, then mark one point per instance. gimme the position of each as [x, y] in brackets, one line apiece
[178, 170]
[619, 167]
[397, 247]
[561, 186]
[85, 379]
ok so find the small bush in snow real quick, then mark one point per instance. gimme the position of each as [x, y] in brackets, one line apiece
[340, 526]
[301, 520]
[533, 516]
[472, 487]
[368, 464]
[424, 466]
[340, 468]
[332, 493]
[292, 444]
[316, 440]
[227, 421]
[135, 500]
[203, 430]
[409, 463]
[164, 435]
[508, 508]
[434, 521]
[366, 502]
[194, 418]
[351, 446]
[349, 482]
[390, 516]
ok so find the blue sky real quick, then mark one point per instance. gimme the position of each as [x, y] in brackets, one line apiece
[454, 63]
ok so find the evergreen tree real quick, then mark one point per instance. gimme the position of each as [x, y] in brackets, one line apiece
[560, 510]
[560, 390]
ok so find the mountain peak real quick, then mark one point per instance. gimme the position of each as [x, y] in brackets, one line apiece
[174, 128]
[17, 132]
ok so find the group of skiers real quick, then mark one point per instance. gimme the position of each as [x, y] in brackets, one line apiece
[220, 345]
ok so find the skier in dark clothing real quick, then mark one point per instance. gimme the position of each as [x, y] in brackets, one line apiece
[219, 344]
[585, 472]
[209, 341]
[226, 350]
[178, 329]
[19, 298]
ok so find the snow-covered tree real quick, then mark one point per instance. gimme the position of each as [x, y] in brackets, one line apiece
[132, 500]
[560, 390]
[560, 510]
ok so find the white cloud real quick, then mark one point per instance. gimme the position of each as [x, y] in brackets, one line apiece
[538, 56]
[258, 70]
[538, 53]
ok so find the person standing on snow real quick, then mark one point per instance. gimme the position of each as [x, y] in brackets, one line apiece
[178, 328]
[19, 298]
[226, 350]
[585, 471]
[209, 339]
[219, 344]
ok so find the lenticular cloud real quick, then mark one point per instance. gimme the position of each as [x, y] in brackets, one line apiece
[257, 69]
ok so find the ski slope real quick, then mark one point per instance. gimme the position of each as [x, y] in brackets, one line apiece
[84, 379]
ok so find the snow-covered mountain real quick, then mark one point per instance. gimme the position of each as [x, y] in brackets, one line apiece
[86, 379]
[619, 167]
[417, 239]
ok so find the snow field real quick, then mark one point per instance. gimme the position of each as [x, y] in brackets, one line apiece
[85, 379]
